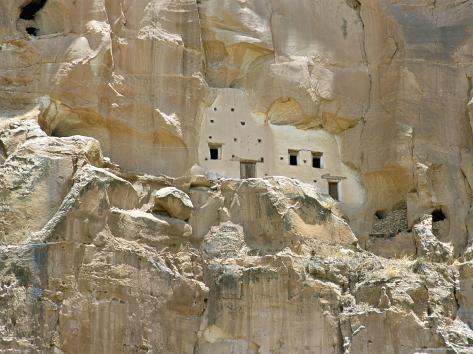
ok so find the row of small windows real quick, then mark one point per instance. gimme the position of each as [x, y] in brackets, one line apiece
[249, 171]
[317, 161]
[215, 151]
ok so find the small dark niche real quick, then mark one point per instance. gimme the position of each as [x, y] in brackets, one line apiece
[438, 215]
[32, 31]
[380, 214]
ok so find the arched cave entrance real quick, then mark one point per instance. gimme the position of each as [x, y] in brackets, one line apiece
[29, 11]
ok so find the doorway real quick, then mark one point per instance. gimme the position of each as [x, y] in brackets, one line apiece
[247, 169]
[333, 190]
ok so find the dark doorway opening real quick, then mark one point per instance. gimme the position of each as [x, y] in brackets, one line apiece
[29, 11]
[247, 169]
[333, 190]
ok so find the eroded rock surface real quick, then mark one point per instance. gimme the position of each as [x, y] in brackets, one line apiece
[90, 261]
[270, 267]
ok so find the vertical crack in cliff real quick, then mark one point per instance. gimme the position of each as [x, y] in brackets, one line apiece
[111, 34]
[357, 7]
[470, 90]
[434, 15]
[412, 148]
[469, 122]
[272, 32]
[468, 188]
[204, 52]
[456, 288]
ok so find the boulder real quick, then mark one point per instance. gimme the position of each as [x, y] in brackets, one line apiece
[174, 202]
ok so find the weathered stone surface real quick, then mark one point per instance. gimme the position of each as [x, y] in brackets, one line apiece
[428, 245]
[383, 88]
[35, 179]
[174, 202]
[370, 74]
[273, 268]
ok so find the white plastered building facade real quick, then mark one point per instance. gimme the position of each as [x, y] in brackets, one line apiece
[235, 143]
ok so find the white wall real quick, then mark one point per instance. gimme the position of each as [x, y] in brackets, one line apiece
[276, 140]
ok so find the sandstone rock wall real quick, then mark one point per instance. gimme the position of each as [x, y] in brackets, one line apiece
[391, 80]
[261, 266]
[90, 264]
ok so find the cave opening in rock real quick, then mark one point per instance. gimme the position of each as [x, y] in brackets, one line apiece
[438, 215]
[29, 11]
[32, 31]
[380, 214]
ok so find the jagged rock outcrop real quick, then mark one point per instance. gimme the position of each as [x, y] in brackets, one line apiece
[270, 266]
[94, 259]
[391, 80]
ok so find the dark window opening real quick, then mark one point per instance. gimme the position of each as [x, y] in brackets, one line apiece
[215, 109]
[293, 160]
[211, 121]
[233, 109]
[438, 215]
[316, 160]
[259, 140]
[333, 190]
[210, 137]
[262, 159]
[234, 139]
[293, 157]
[281, 158]
[32, 31]
[380, 214]
[242, 123]
[215, 152]
[29, 11]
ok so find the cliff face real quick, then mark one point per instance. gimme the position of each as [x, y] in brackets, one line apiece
[391, 80]
[96, 258]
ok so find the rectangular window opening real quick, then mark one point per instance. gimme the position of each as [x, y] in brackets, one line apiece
[317, 160]
[215, 151]
[333, 190]
[293, 157]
